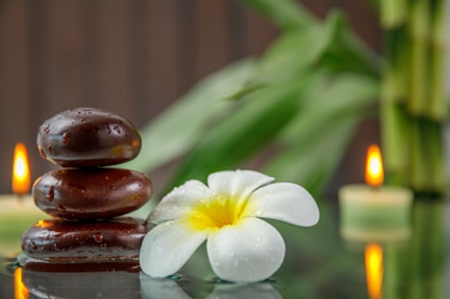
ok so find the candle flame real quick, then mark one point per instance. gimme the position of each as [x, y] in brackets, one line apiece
[374, 270]
[21, 180]
[20, 289]
[374, 167]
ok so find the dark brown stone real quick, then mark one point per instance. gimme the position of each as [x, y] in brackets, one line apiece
[94, 193]
[88, 137]
[59, 241]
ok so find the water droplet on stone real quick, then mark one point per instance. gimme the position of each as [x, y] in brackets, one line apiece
[98, 237]
[33, 245]
[43, 155]
[51, 194]
[66, 138]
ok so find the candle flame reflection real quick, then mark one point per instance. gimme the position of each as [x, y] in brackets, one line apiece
[20, 290]
[21, 180]
[374, 270]
[374, 167]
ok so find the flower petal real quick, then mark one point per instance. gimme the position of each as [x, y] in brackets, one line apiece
[248, 252]
[237, 183]
[284, 201]
[167, 247]
[179, 201]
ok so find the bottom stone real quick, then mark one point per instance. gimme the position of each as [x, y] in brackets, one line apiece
[59, 241]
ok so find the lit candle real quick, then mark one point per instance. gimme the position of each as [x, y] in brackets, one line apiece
[18, 211]
[373, 212]
[21, 179]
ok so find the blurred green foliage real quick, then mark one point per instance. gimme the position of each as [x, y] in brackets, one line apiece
[302, 100]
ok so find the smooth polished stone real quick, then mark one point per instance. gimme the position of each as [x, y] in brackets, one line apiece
[59, 241]
[93, 193]
[88, 137]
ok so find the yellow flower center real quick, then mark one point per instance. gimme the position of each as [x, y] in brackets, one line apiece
[217, 213]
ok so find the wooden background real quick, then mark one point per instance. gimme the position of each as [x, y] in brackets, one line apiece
[133, 57]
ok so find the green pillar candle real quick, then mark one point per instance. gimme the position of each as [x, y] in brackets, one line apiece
[371, 214]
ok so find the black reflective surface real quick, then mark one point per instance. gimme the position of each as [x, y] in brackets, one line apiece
[318, 264]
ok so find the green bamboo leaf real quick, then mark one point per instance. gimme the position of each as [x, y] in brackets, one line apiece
[261, 115]
[292, 54]
[288, 14]
[312, 163]
[317, 137]
[288, 57]
[320, 45]
[177, 129]
[332, 98]
[345, 51]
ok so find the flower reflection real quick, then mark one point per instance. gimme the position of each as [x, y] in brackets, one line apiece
[156, 288]
[262, 290]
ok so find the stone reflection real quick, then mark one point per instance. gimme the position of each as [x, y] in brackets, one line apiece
[74, 285]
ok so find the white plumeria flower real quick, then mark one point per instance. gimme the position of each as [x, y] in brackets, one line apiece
[241, 247]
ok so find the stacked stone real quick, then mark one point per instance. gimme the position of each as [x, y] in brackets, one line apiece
[86, 199]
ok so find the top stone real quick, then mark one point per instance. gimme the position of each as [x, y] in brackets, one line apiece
[88, 137]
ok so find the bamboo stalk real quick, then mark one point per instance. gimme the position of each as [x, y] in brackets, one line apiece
[419, 27]
[437, 107]
[413, 104]
[393, 13]
[395, 125]
[396, 73]
[420, 168]
[427, 171]
[394, 120]
[436, 154]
